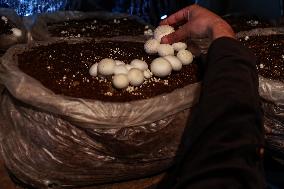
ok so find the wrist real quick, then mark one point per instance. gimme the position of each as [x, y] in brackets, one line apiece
[220, 29]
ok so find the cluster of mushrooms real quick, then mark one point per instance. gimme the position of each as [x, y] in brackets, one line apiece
[137, 71]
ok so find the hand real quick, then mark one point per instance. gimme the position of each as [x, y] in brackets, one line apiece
[199, 22]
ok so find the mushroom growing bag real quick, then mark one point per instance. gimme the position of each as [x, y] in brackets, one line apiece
[272, 93]
[82, 24]
[54, 140]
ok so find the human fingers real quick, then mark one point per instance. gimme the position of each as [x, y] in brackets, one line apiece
[182, 33]
[179, 16]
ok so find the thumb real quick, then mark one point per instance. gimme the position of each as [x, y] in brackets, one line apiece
[179, 35]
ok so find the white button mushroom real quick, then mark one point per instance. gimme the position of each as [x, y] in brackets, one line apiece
[118, 62]
[139, 64]
[120, 81]
[16, 32]
[129, 67]
[160, 67]
[147, 74]
[120, 69]
[5, 19]
[136, 77]
[106, 66]
[175, 62]
[179, 46]
[165, 50]
[151, 46]
[162, 31]
[94, 70]
[185, 57]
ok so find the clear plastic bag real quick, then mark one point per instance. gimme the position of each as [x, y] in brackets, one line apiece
[272, 91]
[272, 94]
[52, 139]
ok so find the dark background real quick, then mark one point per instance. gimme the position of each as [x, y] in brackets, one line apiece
[152, 10]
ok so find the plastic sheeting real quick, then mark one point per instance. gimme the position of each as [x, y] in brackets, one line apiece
[272, 93]
[8, 40]
[48, 139]
[270, 90]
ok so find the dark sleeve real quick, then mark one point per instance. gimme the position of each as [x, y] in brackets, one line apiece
[225, 135]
